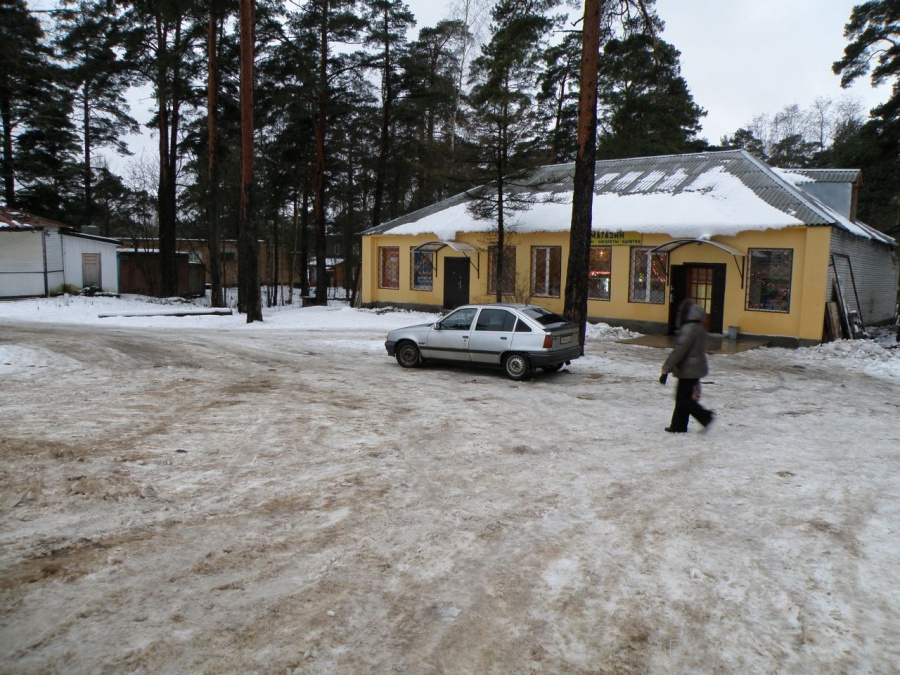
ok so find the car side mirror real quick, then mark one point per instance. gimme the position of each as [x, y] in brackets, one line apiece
[437, 325]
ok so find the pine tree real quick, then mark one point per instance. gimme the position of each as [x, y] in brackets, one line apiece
[597, 13]
[427, 115]
[503, 109]
[874, 49]
[558, 97]
[646, 106]
[90, 44]
[26, 75]
[161, 40]
[388, 21]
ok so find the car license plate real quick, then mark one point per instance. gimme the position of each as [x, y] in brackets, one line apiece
[565, 339]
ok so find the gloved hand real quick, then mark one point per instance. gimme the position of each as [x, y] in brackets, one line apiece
[663, 378]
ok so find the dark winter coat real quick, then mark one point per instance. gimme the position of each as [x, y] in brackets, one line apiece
[688, 358]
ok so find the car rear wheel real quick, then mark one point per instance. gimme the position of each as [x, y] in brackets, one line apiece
[408, 355]
[552, 369]
[517, 367]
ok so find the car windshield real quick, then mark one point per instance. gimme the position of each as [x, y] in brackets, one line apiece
[542, 316]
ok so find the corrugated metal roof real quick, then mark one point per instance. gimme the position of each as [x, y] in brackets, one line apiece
[13, 219]
[672, 174]
[664, 174]
[828, 175]
[420, 213]
[21, 221]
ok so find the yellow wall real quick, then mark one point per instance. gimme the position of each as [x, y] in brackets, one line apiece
[809, 276]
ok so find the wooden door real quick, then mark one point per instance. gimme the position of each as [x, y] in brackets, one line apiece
[90, 270]
[705, 285]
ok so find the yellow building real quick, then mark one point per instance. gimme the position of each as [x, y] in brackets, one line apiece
[767, 252]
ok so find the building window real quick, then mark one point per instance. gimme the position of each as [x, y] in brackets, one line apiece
[769, 279]
[389, 267]
[599, 272]
[508, 286]
[546, 270]
[648, 276]
[422, 270]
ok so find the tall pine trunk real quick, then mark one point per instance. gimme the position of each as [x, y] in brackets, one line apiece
[248, 246]
[385, 137]
[212, 127]
[168, 93]
[321, 125]
[88, 177]
[9, 181]
[575, 308]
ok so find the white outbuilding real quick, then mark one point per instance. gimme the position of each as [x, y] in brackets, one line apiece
[40, 257]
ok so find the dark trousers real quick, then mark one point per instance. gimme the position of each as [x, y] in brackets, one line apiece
[686, 406]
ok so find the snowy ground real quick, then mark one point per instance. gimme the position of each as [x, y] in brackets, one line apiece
[197, 494]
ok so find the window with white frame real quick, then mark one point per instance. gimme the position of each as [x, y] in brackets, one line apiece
[648, 276]
[546, 271]
[422, 270]
[769, 279]
[389, 267]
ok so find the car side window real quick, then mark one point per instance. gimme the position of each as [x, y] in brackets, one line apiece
[522, 327]
[497, 320]
[461, 319]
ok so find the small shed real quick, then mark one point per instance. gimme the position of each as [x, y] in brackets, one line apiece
[140, 273]
[39, 257]
[335, 272]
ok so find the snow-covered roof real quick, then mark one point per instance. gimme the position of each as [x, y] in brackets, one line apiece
[13, 220]
[696, 195]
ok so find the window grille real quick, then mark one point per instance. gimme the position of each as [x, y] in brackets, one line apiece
[600, 273]
[422, 270]
[769, 279]
[546, 270]
[648, 276]
[389, 264]
[509, 270]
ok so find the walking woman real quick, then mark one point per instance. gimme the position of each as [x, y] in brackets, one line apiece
[688, 363]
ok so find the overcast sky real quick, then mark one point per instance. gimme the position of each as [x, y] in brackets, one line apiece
[739, 57]
[744, 57]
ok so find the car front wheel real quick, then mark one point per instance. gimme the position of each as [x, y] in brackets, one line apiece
[517, 367]
[408, 355]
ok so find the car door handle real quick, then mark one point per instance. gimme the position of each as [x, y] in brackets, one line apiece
[503, 338]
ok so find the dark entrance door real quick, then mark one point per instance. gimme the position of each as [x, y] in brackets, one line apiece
[456, 282]
[705, 285]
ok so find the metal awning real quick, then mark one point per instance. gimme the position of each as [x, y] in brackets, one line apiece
[461, 247]
[740, 258]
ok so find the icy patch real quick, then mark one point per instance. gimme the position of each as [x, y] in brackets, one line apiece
[561, 573]
[28, 360]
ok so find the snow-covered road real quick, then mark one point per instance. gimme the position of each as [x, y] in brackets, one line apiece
[194, 495]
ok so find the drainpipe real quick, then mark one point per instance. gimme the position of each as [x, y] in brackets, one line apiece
[44, 236]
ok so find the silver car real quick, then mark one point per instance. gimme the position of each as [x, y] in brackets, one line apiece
[518, 338]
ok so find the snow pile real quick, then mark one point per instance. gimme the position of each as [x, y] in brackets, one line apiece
[857, 355]
[605, 333]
